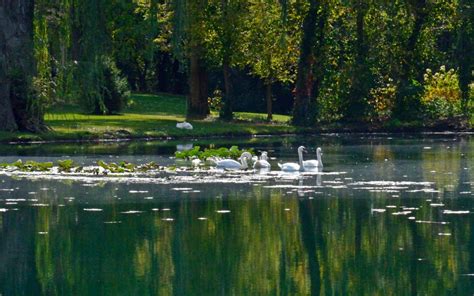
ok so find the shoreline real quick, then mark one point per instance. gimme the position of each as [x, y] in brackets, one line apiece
[29, 138]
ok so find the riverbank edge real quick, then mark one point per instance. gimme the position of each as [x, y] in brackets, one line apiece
[121, 135]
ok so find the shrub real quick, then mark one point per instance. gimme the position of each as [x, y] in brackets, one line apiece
[381, 100]
[441, 97]
[215, 102]
[115, 88]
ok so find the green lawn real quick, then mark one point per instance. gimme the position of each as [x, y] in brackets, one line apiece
[148, 116]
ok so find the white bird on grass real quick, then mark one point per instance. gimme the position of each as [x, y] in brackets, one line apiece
[292, 166]
[184, 125]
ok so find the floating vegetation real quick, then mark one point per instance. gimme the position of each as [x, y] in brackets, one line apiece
[28, 166]
[69, 166]
[233, 152]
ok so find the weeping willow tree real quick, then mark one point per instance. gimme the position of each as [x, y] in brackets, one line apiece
[187, 45]
[52, 38]
[90, 36]
[20, 107]
[99, 85]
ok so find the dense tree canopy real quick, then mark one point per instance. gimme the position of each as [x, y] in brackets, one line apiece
[321, 61]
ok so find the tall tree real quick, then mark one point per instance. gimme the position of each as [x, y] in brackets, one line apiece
[309, 72]
[419, 10]
[19, 110]
[465, 51]
[226, 20]
[187, 43]
[271, 50]
[359, 89]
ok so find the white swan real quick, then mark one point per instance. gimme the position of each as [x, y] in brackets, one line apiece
[184, 125]
[262, 163]
[314, 163]
[292, 166]
[230, 164]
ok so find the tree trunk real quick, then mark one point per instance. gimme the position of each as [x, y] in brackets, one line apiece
[309, 76]
[17, 68]
[268, 95]
[227, 109]
[359, 89]
[228, 101]
[198, 107]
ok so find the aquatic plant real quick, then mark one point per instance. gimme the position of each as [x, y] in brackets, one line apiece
[66, 165]
[32, 166]
[69, 166]
[233, 152]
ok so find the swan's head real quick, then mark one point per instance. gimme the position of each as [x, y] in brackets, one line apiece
[246, 156]
[319, 151]
[264, 155]
[301, 149]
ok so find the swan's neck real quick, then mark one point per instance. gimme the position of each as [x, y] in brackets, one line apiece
[243, 162]
[300, 158]
[318, 156]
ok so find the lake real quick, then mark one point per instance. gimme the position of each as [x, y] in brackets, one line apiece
[389, 215]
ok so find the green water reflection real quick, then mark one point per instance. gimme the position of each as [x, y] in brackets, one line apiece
[274, 241]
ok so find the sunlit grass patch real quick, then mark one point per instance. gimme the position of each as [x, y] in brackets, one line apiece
[155, 116]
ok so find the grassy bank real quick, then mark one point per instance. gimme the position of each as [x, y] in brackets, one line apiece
[155, 116]
[149, 116]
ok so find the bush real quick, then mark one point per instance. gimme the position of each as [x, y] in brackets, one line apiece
[441, 97]
[116, 91]
[381, 101]
[215, 102]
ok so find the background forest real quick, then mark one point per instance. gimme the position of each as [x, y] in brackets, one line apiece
[318, 61]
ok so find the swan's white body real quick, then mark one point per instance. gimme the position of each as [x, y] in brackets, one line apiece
[196, 162]
[314, 163]
[230, 164]
[262, 163]
[293, 166]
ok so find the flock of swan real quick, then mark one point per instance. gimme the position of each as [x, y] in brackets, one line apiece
[263, 164]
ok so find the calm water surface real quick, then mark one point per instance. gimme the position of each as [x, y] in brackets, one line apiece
[391, 215]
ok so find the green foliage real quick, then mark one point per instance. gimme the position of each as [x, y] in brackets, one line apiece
[127, 167]
[442, 97]
[66, 165]
[80, 45]
[32, 166]
[116, 92]
[215, 102]
[381, 101]
[233, 152]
